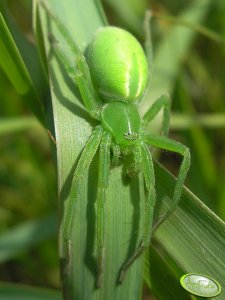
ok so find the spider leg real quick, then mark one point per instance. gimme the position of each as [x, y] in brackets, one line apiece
[79, 70]
[148, 41]
[84, 162]
[163, 102]
[103, 179]
[174, 146]
[149, 177]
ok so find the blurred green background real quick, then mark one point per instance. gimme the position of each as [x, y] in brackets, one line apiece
[28, 183]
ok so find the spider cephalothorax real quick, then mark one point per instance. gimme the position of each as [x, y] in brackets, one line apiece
[122, 121]
[111, 80]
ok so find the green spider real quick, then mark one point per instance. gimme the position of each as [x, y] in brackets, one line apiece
[112, 80]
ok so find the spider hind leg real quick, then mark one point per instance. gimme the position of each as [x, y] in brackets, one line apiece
[149, 203]
[165, 143]
[148, 170]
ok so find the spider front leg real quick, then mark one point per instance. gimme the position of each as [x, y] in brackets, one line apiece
[148, 41]
[149, 177]
[163, 102]
[171, 145]
[103, 180]
[83, 165]
[78, 71]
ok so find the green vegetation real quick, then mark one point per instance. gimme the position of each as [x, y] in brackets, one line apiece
[189, 54]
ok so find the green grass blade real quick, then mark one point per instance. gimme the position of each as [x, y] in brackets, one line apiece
[12, 125]
[167, 58]
[180, 121]
[191, 240]
[14, 67]
[24, 236]
[73, 128]
[210, 34]
[11, 61]
[22, 292]
[202, 152]
[160, 277]
[130, 13]
[24, 43]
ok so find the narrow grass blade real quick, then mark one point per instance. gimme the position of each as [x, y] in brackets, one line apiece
[24, 236]
[210, 34]
[180, 121]
[131, 12]
[191, 240]
[202, 152]
[14, 67]
[172, 50]
[21, 292]
[25, 45]
[12, 125]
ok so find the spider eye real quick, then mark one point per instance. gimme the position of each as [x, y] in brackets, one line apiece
[118, 65]
[131, 136]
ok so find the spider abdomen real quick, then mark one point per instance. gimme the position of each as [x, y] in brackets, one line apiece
[122, 121]
[118, 65]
